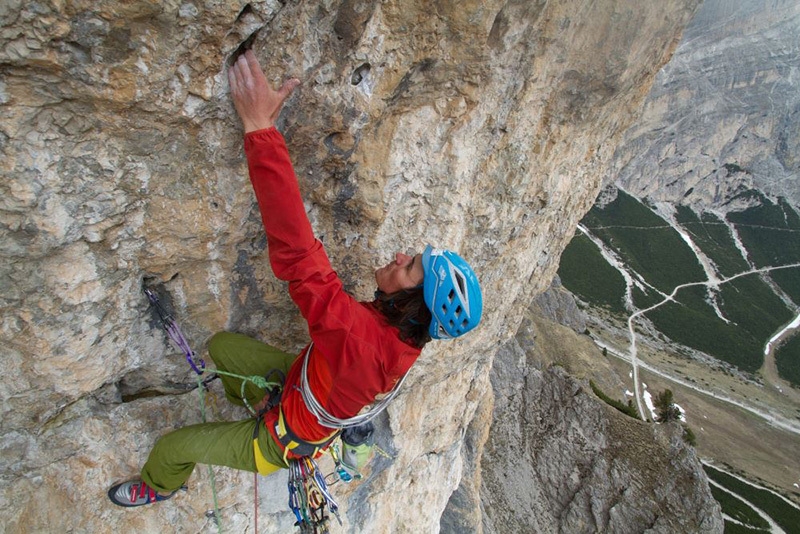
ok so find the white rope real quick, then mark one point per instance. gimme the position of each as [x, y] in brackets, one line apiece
[326, 419]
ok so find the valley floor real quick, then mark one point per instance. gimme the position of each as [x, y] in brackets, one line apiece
[741, 426]
[751, 428]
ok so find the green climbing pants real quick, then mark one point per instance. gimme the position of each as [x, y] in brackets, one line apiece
[174, 455]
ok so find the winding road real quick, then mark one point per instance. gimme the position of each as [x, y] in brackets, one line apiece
[671, 297]
[769, 370]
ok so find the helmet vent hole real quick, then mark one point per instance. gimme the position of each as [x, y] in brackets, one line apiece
[451, 295]
[464, 323]
[444, 309]
[461, 283]
[458, 310]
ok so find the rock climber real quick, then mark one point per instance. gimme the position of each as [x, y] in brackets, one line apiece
[358, 350]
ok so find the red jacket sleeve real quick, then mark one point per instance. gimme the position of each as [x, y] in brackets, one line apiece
[289, 234]
[295, 254]
[356, 353]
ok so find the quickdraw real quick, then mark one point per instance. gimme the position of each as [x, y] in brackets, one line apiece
[198, 366]
[309, 496]
[174, 332]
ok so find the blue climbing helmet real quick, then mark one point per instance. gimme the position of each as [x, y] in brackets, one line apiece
[451, 292]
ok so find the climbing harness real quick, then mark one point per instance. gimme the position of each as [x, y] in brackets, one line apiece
[324, 418]
[294, 446]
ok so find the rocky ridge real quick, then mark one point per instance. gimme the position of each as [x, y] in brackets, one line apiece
[574, 464]
[122, 166]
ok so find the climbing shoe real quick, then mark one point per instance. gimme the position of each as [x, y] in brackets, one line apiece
[136, 493]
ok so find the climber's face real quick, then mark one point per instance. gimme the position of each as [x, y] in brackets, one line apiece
[405, 272]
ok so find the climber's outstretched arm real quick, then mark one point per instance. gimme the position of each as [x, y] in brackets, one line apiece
[295, 255]
[257, 104]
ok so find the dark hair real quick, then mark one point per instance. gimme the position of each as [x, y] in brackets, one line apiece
[406, 311]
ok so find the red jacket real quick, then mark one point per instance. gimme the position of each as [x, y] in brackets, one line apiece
[356, 354]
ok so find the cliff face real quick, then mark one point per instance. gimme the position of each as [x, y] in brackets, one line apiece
[558, 459]
[485, 126]
[724, 114]
[574, 464]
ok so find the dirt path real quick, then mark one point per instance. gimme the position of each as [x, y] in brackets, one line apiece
[770, 368]
[632, 329]
[776, 421]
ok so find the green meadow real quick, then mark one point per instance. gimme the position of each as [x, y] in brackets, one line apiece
[645, 242]
[739, 510]
[785, 515]
[713, 237]
[771, 235]
[591, 276]
[752, 310]
[787, 358]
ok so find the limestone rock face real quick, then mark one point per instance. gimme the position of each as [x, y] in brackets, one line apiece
[574, 464]
[558, 305]
[558, 459]
[724, 114]
[486, 127]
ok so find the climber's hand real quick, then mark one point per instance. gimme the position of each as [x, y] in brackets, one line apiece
[257, 104]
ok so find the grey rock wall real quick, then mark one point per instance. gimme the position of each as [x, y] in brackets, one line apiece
[484, 126]
[574, 464]
[559, 305]
[724, 114]
[558, 459]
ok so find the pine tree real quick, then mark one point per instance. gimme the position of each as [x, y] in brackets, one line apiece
[666, 410]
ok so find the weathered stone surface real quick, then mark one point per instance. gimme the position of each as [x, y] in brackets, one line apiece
[724, 114]
[482, 126]
[558, 305]
[574, 464]
[557, 459]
